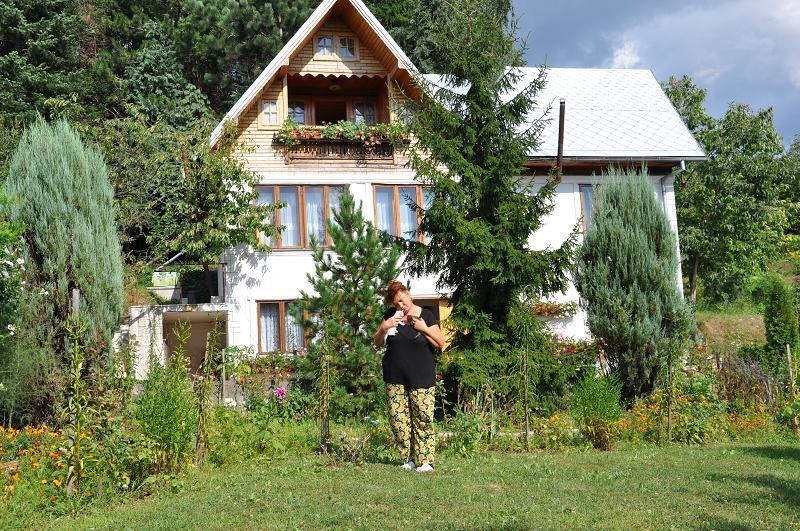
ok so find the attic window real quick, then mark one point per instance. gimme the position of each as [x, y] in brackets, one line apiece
[347, 48]
[270, 112]
[297, 111]
[364, 112]
[325, 46]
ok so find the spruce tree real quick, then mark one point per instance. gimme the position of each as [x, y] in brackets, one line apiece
[346, 302]
[473, 143]
[626, 273]
[66, 205]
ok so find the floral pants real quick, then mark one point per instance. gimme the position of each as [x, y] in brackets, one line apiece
[411, 419]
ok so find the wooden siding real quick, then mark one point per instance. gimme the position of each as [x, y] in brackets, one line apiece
[365, 63]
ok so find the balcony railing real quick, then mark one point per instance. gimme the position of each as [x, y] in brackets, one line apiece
[323, 149]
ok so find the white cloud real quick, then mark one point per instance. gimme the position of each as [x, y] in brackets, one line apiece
[625, 56]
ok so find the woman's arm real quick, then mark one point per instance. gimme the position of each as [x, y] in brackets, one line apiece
[432, 333]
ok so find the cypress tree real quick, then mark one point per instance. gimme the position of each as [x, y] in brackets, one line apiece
[780, 324]
[626, 273]
[473, 143]
[346, 302]
[66, 205]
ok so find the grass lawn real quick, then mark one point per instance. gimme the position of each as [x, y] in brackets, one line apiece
[717, 487]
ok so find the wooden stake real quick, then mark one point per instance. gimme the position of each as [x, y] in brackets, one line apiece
[792, 388]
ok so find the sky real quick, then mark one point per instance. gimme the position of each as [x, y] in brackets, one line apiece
[745, 51]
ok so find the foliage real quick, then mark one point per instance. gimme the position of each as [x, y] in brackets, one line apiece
[11, 267]
[291, 133]
[472, 146]
[596, 408]
[555, 432]
[155, 86]
[225, 44]
[39, 62]
[554, 309]
[730, 210]
[468, 433]
[346, 302]
[66, 204]
[166, 408]
[626, 273]
[413, 24]
[780, 324]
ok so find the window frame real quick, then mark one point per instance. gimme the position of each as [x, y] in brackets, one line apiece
[301, 198]
[335, 36]
[262, 118]
[339, 38]
[396, 207]
[282, 313]
[308, 114]
[581, 188]
[325, 35]
[354, 103]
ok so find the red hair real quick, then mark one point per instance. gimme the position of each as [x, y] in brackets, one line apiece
[394, 287]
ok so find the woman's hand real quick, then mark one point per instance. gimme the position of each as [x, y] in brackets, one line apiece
[390, 322]
[420, 324]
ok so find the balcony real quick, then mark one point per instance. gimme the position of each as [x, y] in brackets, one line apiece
[325, 149]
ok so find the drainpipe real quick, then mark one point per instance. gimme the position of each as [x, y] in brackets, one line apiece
[562, 103]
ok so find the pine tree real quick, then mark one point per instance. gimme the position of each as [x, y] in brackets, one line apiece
[66, 204]
[39, 63]
[346, 302]
[626, 273]
[473, 143]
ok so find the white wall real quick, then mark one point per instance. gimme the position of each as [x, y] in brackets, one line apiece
[282, 274]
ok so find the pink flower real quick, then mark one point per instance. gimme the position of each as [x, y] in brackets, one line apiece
[280, 393]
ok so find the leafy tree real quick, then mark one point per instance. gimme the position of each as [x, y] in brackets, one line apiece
[473, 145]
[39, 63]
[213, 202]
[225, 44]
[792, 189]
[626, 272]
[730, 211]
[65, 203]
[346, 303]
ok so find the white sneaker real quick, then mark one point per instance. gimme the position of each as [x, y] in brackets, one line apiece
[425, 468]
[408, 466]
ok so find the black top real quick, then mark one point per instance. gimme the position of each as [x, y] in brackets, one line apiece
[409, 356]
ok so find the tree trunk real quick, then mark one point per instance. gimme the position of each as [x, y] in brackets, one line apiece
[693, 279]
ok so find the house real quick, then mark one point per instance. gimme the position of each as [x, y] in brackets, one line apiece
[343, 65]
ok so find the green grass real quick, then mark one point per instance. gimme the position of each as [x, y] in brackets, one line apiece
[720, 487]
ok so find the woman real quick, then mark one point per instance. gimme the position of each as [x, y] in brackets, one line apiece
[410, 334]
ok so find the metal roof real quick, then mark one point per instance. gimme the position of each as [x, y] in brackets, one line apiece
[611, 114]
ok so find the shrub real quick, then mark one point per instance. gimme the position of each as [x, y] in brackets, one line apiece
[230, 436]
[596, 408]
[468, 431]
[780, 324]
[554, 432]
[167, 414]
[626, 273]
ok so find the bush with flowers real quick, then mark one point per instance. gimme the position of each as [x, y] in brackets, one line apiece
[292, 133]
[554, 309]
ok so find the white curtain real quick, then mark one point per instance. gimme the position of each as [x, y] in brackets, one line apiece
[315, 215]
[294, 332]
[384, 206]
[408, 218]
[266, 196]
[334, 194]
[270, 327]
[290, 216]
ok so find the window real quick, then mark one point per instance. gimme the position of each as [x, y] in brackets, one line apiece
[297, 111]
[394, 211]
[269, 112]
[364, 112]
[325, 46]
[587, 205]
[305, 215]
[347, 48]
[278, 329]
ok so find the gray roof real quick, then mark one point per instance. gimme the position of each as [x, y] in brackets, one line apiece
[611, 114]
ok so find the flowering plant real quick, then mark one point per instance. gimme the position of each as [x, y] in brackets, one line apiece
[554, 309]
[292, 133]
